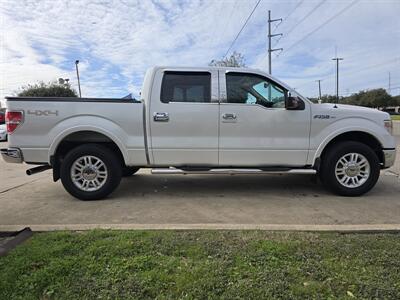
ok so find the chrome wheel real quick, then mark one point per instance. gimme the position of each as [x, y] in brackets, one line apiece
[89, 173]
[352, 170]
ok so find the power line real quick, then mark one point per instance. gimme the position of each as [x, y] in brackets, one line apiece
[365, 68]
[226, 23]
[305, 17]
[366, 89]
[231, 14]
[285, 18]
[350, 72]
[322, 25]
[290, 13]
[240, 31]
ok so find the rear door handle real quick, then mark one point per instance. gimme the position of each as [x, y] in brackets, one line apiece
[229, 117]
[161, 117]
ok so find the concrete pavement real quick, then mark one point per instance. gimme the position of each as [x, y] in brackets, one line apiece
[145, 201]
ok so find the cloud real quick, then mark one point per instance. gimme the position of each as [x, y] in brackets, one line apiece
[116, 41]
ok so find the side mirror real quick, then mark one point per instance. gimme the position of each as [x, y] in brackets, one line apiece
[294, 103]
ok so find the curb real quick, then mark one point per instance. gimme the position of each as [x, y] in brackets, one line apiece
[18, 238]
[210, 226]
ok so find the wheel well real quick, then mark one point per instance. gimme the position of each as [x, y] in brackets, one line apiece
[357, 136]
[76, 139]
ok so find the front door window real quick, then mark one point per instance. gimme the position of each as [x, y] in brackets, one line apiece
[245, 88]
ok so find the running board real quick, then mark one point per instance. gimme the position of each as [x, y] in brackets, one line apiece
[232, 171]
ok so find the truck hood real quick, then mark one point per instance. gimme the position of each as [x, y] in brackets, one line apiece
[340, 111]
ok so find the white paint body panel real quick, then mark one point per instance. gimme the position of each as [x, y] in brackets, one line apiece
[190, 137]
[39, 136]
[346, 118]
[264, 136]
[261, 136]
[195, 134]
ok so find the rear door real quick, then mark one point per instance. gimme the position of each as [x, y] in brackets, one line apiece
[255, 127]
[184, 117]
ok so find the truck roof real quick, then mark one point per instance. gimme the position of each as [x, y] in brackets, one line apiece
[225, 69]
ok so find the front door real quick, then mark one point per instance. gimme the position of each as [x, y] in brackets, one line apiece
[184, 118]
[255, 127]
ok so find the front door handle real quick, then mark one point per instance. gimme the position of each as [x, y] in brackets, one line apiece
[229, 116]
[161, 117]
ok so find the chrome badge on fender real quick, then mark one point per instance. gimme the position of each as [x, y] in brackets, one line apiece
[44, 113]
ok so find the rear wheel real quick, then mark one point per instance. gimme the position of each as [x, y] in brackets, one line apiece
[350, 169]
[90, 172]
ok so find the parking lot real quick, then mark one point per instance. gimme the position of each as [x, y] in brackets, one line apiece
[198, 201]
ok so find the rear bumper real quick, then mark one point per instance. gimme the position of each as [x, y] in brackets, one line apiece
[389, 157]
[12, 155]
[3, 136]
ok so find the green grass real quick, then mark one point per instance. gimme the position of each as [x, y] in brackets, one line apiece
[202, 265]
[396, 117]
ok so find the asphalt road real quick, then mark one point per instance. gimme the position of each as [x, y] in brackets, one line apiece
[198, 201]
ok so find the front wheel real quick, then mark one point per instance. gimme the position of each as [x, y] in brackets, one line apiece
[350, 169]
[90, 172]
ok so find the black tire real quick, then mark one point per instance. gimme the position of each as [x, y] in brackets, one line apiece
[129, 171]
[330, 160]
[111, 162]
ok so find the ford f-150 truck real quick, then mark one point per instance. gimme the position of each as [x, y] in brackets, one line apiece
[199, 120]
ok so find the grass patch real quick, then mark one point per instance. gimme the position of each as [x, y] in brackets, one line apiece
[202, 265]
[395, 117]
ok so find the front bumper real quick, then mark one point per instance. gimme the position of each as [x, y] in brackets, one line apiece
[389, 157]
[12, 155]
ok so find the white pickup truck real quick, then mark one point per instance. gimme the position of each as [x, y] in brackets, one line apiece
[199, 120]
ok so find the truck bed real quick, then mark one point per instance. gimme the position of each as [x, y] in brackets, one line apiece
[48, 120]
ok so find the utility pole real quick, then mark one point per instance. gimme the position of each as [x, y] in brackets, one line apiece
[389, 90]
[337, 77]
[77, 75]
[319, 88]
[270, 36]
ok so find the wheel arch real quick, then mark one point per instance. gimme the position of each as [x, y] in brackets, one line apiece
[360, 136]
[70, 139]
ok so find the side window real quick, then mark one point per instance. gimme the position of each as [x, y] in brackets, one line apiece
[186, 87]
[254, 89]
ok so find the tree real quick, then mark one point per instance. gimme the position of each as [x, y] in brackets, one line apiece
[378, 98]
[51, 89]
[235, 60]
[324, 99]
[396, 100]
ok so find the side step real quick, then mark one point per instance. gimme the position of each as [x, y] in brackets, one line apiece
[232, 171]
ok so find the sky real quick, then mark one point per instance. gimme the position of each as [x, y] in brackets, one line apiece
[116, 41]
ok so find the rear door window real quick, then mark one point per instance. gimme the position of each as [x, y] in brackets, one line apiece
[186, 87]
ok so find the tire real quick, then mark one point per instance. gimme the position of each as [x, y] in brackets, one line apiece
[90, 162]
[129, 171]
[350, 169]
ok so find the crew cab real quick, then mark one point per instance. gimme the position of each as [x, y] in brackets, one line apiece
[207, 120]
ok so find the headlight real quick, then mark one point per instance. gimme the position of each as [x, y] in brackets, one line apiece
[388, 125]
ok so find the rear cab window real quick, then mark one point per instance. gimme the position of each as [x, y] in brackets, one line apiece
[194, 87]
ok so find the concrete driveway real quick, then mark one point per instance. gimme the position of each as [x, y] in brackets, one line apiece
[293, 202]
